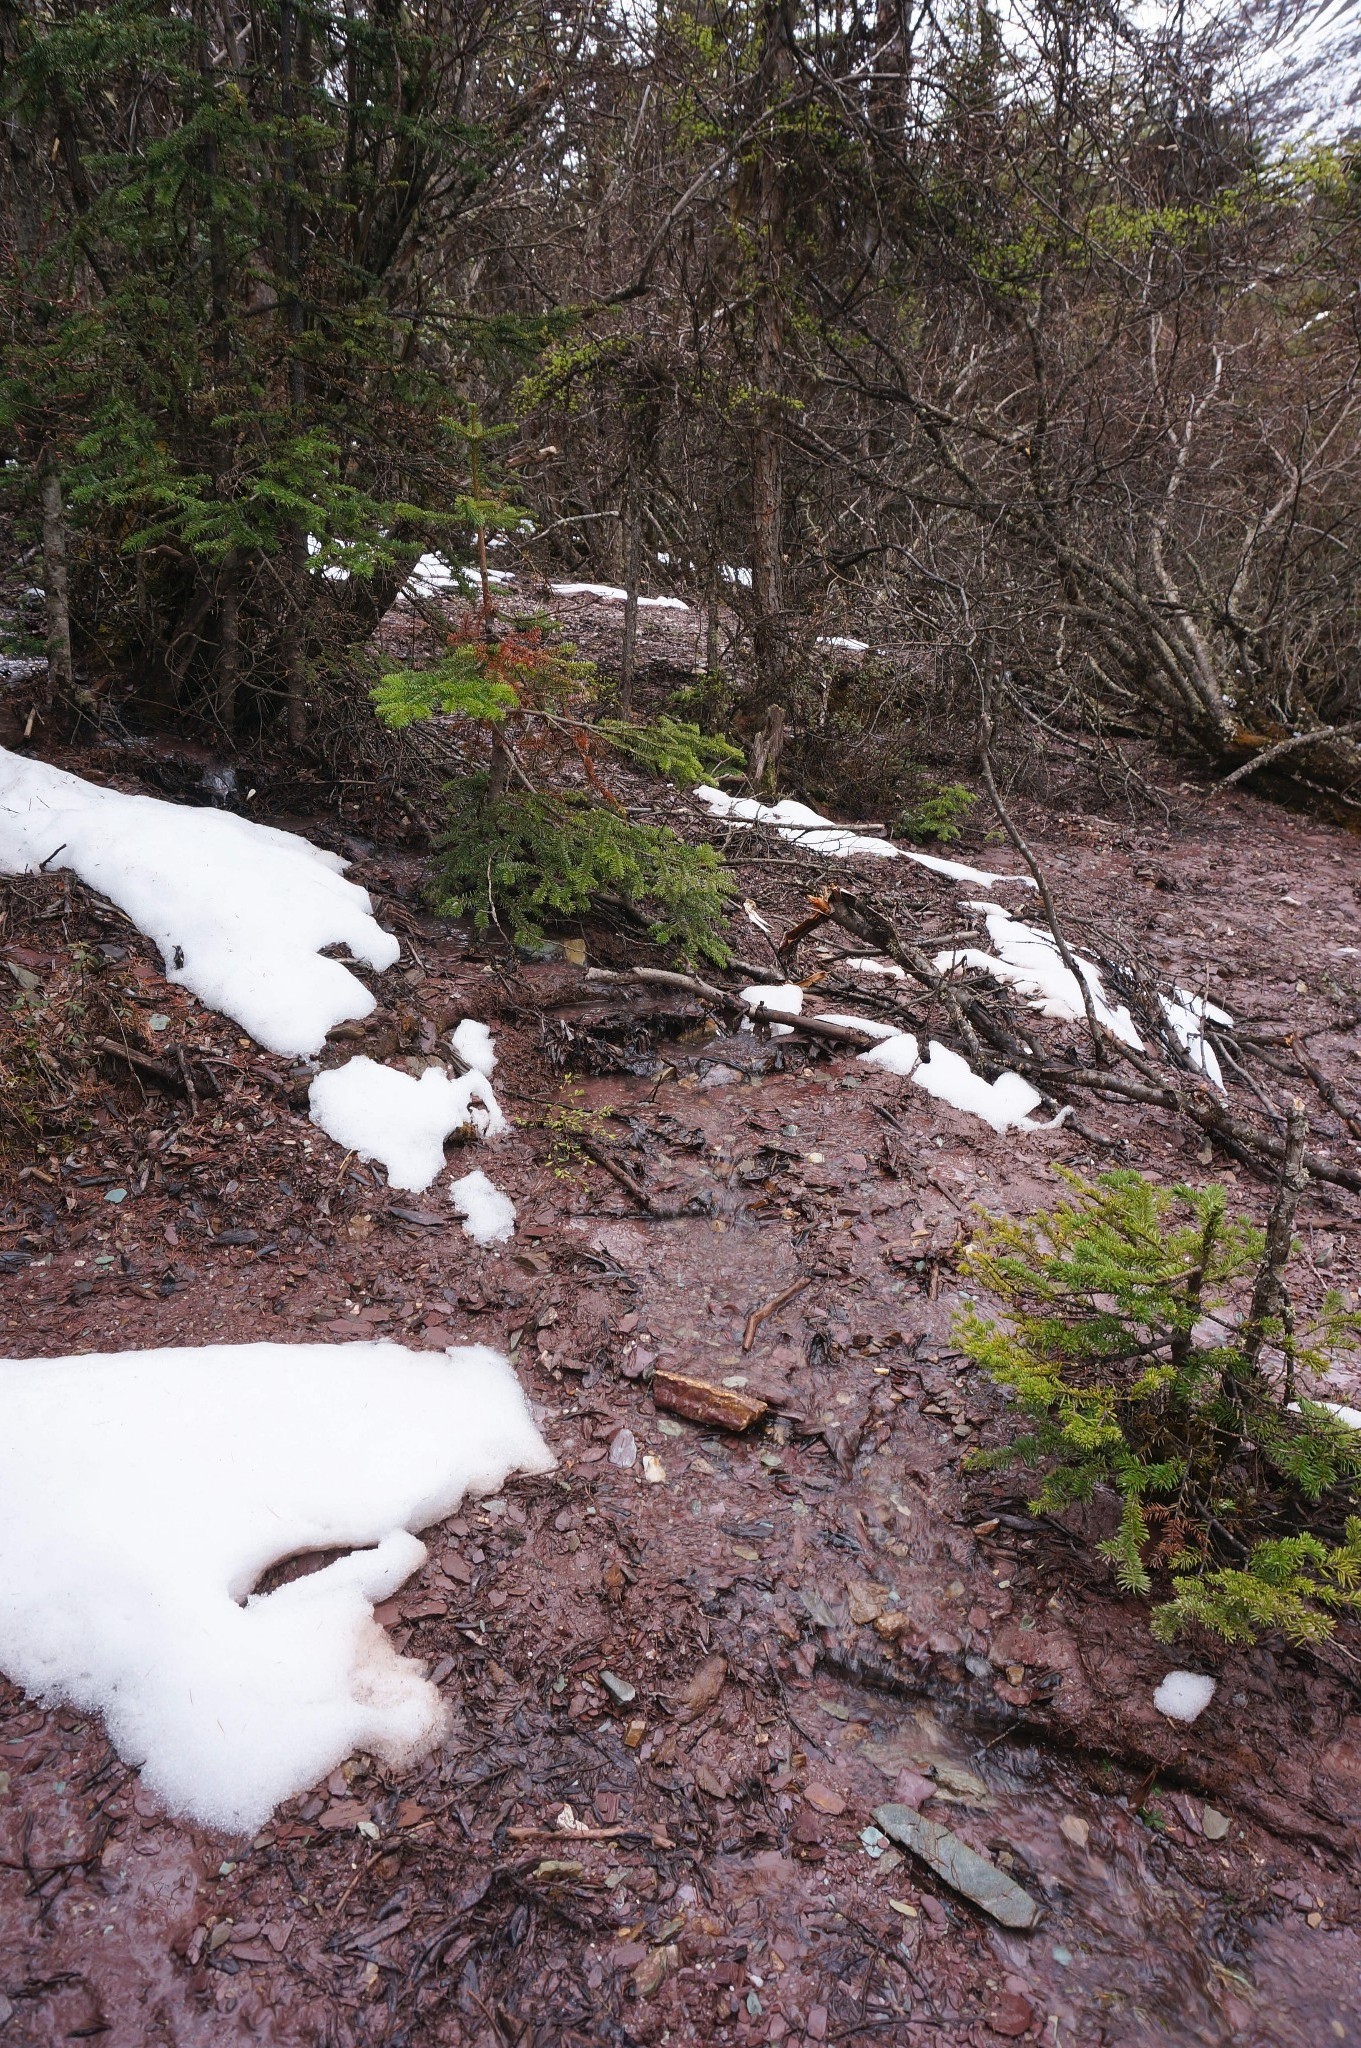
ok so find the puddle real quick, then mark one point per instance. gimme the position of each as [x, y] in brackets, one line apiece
[1131, 1930]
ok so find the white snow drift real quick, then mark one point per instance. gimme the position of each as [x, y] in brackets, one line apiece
[613, 595]
[381, 1113]
[809, 829]
[473, 1042]
[143, 1494]
[1030, 960]
[240, 911]
[488, 1215]
[1005, 1103]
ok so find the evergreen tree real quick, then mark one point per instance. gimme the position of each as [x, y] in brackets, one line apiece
[228, 342]
[1125, 1381]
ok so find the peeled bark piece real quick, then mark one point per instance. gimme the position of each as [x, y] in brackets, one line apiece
[698, 1401]
[960, 1866]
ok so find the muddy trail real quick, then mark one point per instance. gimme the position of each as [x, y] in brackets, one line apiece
[686, 1668]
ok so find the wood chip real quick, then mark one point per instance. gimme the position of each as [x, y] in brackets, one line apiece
[698, 1401]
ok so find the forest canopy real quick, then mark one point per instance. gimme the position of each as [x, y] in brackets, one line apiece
[1008, 334]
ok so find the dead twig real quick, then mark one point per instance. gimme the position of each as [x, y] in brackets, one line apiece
[626, 1180]
[1018, 840]
[770, 1308]
[735, 1005]
[1269, 1295]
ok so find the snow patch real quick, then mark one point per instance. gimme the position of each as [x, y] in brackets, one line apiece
[614, 595]
[851, 646]
[875, 1026]
[142, 1494]
[781, 999]
[489, 1216]
[1351, 1416]
[240, 911]
[1184, 1695]
[1030, 960]
[432, 575]
[1188, 1014]
[383, 1114]
[1005, 1103]
[866, 965]
[473, 1042]
[809, 829]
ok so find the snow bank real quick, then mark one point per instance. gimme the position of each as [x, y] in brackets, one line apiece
[142, 1495]
[1184, 1695]
[1005, 1103]
[240, 911]
[384, 1114]
[809, 829]
[433, 575]
[782, 999]
[489, 1216]
[616, 596]
[1029, 959]
[473, 1042]
[1187, 1014]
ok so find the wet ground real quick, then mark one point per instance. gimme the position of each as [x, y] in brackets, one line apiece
[797, 1625]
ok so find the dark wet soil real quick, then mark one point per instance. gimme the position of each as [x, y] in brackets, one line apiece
[806, 1621]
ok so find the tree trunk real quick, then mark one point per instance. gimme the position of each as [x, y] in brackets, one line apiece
[60, 672]
[294, 661]
[767, 746]
[498, 774]
[228, 644]
[767, 468]
[632, 569]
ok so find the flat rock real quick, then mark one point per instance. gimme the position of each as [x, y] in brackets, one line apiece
[960, 1866]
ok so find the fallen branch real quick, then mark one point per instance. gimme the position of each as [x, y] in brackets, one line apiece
[1018, 840]
[143, 1063]
[668, 1211]
[735, 1005]
[1212, 1118]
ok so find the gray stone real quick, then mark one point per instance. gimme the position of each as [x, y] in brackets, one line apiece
[960, 1866]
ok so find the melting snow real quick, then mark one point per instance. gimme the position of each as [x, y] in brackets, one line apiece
[384, 1114]
[1005, 1103]
[1184, 1695]
[1187, 1014]
[1351, 1416]
[867, 965]
[804, 827]
[240, 911]
[1029, 959]
[616, 596]
[142, 1495]
[489, 1216]
[473, 1042]
[432, 574]
[784, 999]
